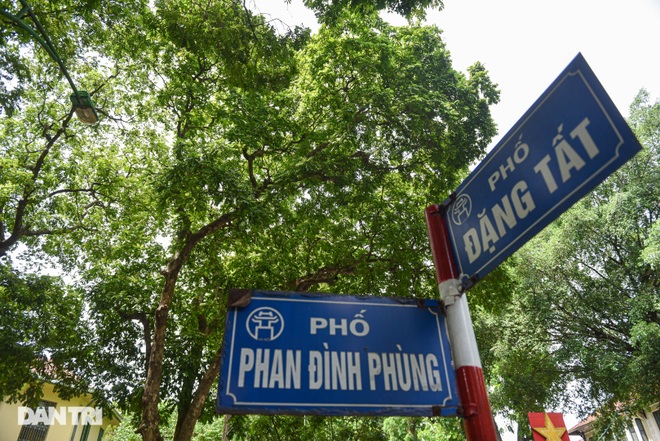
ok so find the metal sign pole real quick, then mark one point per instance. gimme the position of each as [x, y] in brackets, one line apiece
[477, 417]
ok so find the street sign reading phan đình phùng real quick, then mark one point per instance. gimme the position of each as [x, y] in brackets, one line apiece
[328, 354]
[569, 141]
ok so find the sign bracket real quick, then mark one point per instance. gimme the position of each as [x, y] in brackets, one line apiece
[239, 298]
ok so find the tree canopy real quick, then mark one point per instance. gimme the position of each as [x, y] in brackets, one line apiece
[227, 156]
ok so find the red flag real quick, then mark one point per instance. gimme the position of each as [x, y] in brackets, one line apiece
[548, 426]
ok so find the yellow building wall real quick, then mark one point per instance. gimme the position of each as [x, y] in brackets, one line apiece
[9, 422]
[10, 429]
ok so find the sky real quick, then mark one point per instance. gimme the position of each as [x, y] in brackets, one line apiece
[525, 44]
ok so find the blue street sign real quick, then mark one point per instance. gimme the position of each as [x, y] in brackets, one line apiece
[569, 141]
[327, 354]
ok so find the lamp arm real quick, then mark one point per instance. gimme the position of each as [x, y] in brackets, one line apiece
[41, 37]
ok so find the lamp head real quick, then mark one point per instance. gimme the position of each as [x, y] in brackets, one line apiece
[84, 107]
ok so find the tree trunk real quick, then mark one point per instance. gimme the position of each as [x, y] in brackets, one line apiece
[149, 426]
[412, 428]
[184, 432]
[225, 428]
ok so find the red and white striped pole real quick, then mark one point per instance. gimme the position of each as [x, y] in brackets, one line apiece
[476, 413]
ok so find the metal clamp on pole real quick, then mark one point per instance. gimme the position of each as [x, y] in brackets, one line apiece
[450, 290]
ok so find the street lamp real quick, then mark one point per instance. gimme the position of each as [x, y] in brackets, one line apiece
[84, 107]
[80, 99]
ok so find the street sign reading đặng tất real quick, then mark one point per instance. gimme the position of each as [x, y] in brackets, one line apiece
[569, 141]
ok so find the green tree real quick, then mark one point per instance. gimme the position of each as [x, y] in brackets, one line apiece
[584, 309]
[231, 156]
[52, 182]
[47, 185]
[328, 11]
[124, 431]
[43, 336]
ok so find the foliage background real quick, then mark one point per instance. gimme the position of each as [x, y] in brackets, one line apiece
[229, 155]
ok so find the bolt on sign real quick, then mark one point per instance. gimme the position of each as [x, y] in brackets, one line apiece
[328, 354]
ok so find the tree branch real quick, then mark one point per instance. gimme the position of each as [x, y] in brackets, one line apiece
[18, 229]
[143, 318]
[326, 274]
[72, 190]
[249, 21]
